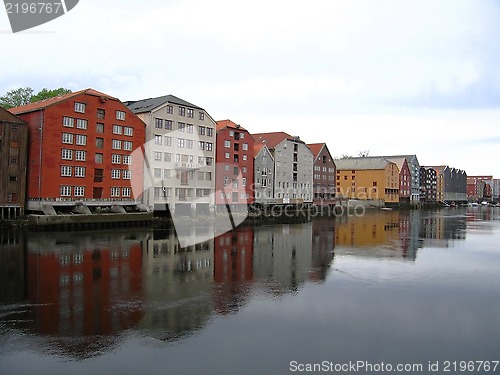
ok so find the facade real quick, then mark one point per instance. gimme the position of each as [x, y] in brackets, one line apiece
[368, 178]
[405, 179]
[480, 188]
[179, 154]
[414, 166]
[451, 184]
[234, 176]
[428, 185]
[496, 190]
[293, 160]
[264, 173]
[13, 159]
[80, 150]
[323, 175]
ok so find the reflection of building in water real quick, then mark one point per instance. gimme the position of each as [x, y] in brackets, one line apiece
[283, 255]
[233, 268]
[323, 245]
[177, 285]
[379, 234]
[12, 267]
[441, 228]
[79, 282]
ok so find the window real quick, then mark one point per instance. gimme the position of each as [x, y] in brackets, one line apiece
[115, 174]
[99, 142]
[244, 181]
[65, 191]
[120, 115]
[190, 112]
[181, 126]
[79, 191]
[101, 113]
[127, 145]
[127, 174]
[201, 176]
[189, 128]
[157, 156]
[126, 192]
[182, 111]
[226, 155]
[79, 171]
[67, 138]
[202, 130]
[170, 109]
[201, 116]
[98, 158]
[209, 146]
[245, 146]
[201, 145]
[244, 157]
[242, 135]
[210, 132]
[167, 156]
[168, 141]
[66, 171]
[168, 124]
[81, 124]
[158, 123]
[157, 173]
[80, 155]
[127, 159]
[236, 170]
[117, 129]
[115, 191]
[128, 131]
[116, 159]
[227, 144]
[189, 143]
[117, 144]
[209, 160]
[67, 154]
[226, 181]
[231, 133]
[180, 142]
[208, 176]
[158, 139]
[79, 107]
[99, 128]
[68, 121]
[81, 140]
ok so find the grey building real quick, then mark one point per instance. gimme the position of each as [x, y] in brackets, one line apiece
[293, 177]
[179, 153]
[451, 184]
[263, 174]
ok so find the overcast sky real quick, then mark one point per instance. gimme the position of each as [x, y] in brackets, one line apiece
[391, 77]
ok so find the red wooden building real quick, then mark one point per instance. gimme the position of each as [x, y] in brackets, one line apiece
[234, 175]
[323, 175]
[80, 149]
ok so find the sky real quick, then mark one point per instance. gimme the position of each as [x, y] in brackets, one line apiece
[388, 76]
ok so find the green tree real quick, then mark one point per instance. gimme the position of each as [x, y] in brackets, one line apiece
[46, 94]
[25, 95]
[17, 97]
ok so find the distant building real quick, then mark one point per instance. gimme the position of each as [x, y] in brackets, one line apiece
[81, 147]
[451, 184]
[264, 172]
[13, 157]
[496, 190]
[324, 186]
[414, 166]
[293, 160]
[405, 179]
[480, 188]
[234, 171]
[428, 184]
[368, 178]
[180, 152]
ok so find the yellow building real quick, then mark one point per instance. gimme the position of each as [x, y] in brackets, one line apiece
[368, 178]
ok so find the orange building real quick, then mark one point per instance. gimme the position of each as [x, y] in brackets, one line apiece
[80, 149]
[368, 178]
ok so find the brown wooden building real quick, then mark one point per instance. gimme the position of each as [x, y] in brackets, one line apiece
[13, 159]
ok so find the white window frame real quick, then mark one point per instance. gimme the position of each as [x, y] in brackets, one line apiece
[66, 154]
[79, 171]
[68, 122]
[80, 139]
[80, 155]
[80, 107]
[67, 138]
[81, 123]
[120, 115]
[127, 145]
[66, 171]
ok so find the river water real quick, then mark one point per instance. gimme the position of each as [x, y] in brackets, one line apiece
[419, 289]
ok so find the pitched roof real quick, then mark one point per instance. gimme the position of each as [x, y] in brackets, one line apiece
[367, 163]
[409, 158]
[223, 124]
[273, 139]
[398, 160]
[6, 116]
[147, 105]
[316, 148]
[32, 107]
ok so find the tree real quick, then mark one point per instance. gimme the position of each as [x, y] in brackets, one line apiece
[15, 98]
[46, 94]
[364, 153]
[346, 156]
[24, 95]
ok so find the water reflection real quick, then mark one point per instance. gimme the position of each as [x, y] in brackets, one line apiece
[82, 294]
